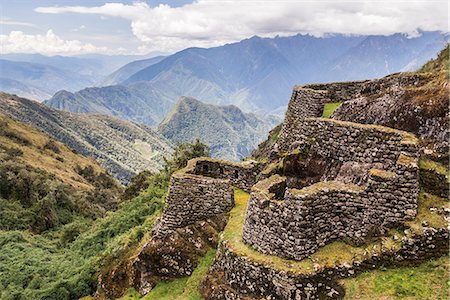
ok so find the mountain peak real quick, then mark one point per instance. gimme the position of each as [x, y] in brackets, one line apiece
[231, 133]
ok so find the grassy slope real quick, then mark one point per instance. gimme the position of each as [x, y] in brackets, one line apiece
[36, 155]
[429, 280]
[427, 164]
[185, 288]
[43, 267]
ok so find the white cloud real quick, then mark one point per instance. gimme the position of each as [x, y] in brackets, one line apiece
[50, 43]
[209, 22]
[9, 22]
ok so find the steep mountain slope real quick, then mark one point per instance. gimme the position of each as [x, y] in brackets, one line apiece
[377, 56]
[123, 148]
[257, 74]
[39, 150]
[44, 184]
[135, 102]
[229, 132]
[129, 69]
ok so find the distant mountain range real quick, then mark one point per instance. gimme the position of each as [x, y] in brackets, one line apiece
[231, 134]
[39, 77]
[122, 147]
[129, 69]
[39, 81]
[256, 74]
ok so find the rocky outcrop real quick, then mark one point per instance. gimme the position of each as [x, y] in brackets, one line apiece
[413, 102]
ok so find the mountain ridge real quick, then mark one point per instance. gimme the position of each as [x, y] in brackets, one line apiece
[256, 74]
[122, 147]
[230, 133]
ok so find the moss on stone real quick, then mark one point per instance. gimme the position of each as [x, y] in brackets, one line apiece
[272, 168]
[326, 186]
[382, 174]
[264, 185]
[429, 213]
[407, 161]
[193, 162]
[407, 137]
[427, 164]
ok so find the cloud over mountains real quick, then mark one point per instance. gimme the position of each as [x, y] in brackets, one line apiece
[208, 23]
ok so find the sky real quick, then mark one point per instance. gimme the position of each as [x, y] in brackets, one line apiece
[68, 27]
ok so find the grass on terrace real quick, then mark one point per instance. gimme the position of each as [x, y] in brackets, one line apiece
[185, 288]
[329, 109]
[429, 280]
[427, 164]
[335, 253]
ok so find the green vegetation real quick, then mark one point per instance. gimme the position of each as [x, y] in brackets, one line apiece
[429, 281]
[426, 212]
[35, 194]
[62, 264]
[183, 153]
[64, 259]
[441, 62]
[231, 133]
[427, 164]
[184, 288]
[329, 109]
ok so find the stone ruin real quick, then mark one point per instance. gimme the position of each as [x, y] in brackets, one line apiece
[202, 190]
[197, 206]
[345, 181]
[341, 180]
[328, 180]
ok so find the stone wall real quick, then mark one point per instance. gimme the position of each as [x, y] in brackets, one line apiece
[337, 91]
[301, 222]
[346, 141]
[241, 175]
[309, 100]
[202, 190]
[235, 277]
[294, 223]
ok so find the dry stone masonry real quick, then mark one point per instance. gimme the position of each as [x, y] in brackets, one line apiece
[295, 223]
[202, 190]
[326, 180]
[235, 277]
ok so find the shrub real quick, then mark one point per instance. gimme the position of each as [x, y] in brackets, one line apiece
[51, 145]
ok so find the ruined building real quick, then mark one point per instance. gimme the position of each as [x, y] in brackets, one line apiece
[328, 183]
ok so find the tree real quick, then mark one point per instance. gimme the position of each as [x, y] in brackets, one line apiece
[185, 152]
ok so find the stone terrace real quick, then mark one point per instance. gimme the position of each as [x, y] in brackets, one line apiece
[294, 222]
